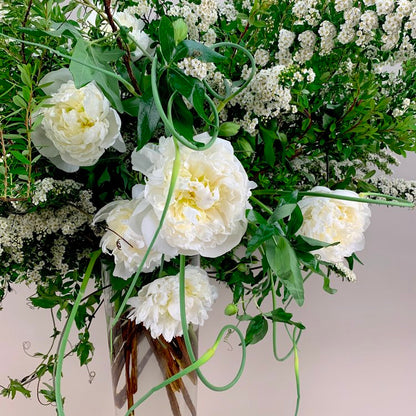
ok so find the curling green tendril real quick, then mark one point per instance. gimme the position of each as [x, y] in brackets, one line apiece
[65, 335]
[388, 200]
[188, 341]
[226, 99]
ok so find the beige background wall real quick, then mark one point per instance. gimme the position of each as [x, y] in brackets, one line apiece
[357, 356]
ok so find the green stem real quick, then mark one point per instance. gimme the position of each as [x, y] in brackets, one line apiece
[64, 340]
[260, 204]
[188, 341]
[194, 366]
[389, 200]
[296, 365]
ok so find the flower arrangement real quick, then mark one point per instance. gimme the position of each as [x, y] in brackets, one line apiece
[180, 142]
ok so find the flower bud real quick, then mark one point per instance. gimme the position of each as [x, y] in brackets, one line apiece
[228, 129]
[230, 309]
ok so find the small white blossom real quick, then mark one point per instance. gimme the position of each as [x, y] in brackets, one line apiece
[157, 305]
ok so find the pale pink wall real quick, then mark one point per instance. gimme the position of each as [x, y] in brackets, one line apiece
[357, 356]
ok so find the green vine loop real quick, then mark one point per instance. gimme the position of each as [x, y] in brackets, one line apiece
[188, 341]
[193, 367]
[226, 99]
[65, 334]
[168, 122]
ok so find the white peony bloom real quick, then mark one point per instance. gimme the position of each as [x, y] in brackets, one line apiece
[157, 304]
[78, 124]
[207, 212]
[141, 39]
[335, 220]
[126, 238]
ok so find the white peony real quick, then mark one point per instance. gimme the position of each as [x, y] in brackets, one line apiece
[126, 237]
[207, 212]
[78, 124]
[334, 220]
[157, 304]
[141, 39]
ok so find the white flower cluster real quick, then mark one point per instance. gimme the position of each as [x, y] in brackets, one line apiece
[226, 8]
[19, 232]
[157, 304]
[397, 112]
[345, 272]
[335, 221]
[198, 17]
[265, 96]
[196, 68]
[396, 187]
[3, 10]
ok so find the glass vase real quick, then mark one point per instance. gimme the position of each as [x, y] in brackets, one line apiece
[140, 362]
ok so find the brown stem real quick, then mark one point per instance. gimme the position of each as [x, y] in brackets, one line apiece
[126, 57]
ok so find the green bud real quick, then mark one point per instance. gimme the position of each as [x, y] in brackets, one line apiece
[180, 30]
[228, 129]
[231, 309]
[242, 267]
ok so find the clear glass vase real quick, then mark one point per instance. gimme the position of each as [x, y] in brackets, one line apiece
[140, 362]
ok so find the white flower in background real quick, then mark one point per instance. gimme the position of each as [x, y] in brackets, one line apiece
[157, 304]
[3, 10]
[334, 220]
[207, 212]
[126, 237]
[78, 124]
[142, 40]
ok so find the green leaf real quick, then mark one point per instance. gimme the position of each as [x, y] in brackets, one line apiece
[280, 315]
[282, 212]
[326, 286]
[20, 157]
[262, 234]
[295, 222]
[303, 243]
[256, 330]
[180, 30]
[201, 51]
[100, 58]
[268, 137]
[147, 119]
[228, 129]
[166, 38]
[285, 265]
[183, 120]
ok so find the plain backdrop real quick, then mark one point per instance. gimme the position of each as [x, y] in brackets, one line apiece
[357, 355]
